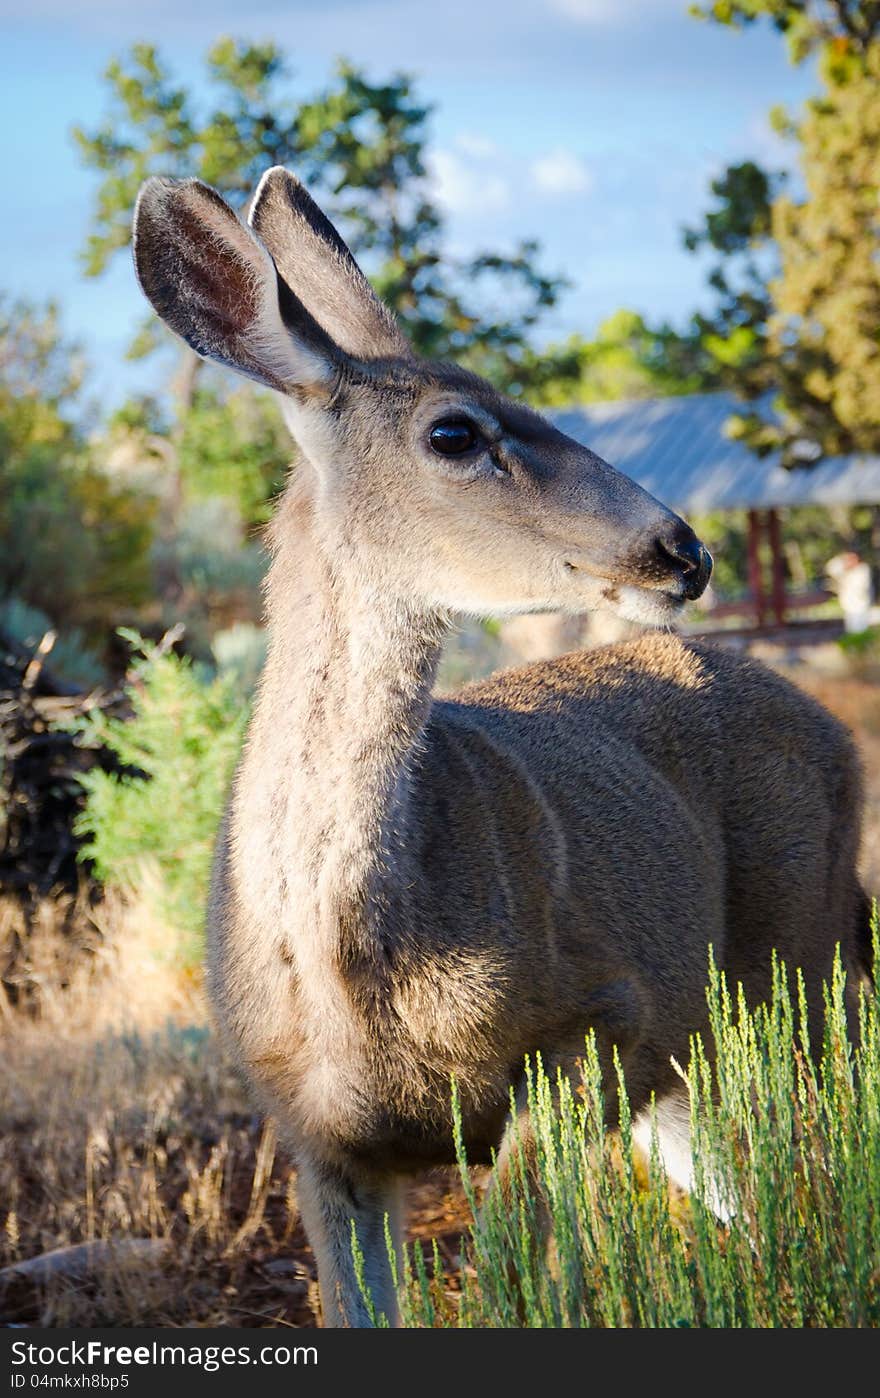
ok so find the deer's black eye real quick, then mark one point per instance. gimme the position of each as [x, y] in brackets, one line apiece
[453, 436]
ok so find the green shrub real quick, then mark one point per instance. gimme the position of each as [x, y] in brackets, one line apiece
[862, 651]
[180, 747]
[235, 445]
[210, 553]
[75, 543]
[214, 571]
[791, 1147]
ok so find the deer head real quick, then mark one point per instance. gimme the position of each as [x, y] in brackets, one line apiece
[444, 493]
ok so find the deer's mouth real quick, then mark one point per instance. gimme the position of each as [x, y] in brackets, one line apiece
[657, 574]
[652, 606]
[648, 604]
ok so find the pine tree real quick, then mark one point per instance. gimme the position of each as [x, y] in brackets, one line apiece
[798, 276]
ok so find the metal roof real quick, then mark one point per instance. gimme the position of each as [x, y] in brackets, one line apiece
[677, 449]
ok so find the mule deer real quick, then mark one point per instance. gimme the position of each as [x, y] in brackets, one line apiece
[406, 889]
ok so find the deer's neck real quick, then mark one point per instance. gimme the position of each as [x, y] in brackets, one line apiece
[323, 791]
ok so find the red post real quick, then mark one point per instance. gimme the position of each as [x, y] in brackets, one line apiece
[756, 580]
[778, 566]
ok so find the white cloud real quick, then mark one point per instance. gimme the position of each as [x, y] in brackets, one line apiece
[476, 146]
[464, 185]
[561, 172]
[610, 12]
[471, 175]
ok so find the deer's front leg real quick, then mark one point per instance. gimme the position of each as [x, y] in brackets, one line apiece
[330, 1197]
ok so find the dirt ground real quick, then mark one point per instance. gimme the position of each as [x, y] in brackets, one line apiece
[857, 703]
[125, 1134]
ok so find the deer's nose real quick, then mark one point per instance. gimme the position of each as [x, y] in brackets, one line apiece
[681, 550]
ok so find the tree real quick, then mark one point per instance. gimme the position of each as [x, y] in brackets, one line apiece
[152, 128]
[75, 543]
[807, 25]
[235, 445]
[40, 375]
[361, 146]
[738, 230]
[628, 359]
[824, 335]
[798, 276]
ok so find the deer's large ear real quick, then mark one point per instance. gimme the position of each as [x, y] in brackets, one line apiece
[214, 284]
[320, 271]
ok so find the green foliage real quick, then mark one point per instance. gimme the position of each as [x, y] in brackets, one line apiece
[627, 359]
[152, 128]
[75, 542]
[742, 217]
[211, 556]
[180, 747]
[808, 25]
[361, 146]
[823, 340]
[862, 652]
[789, 1148]
[736, 229]
[798, 277]
[213, 479]
[208, 574]
[860, 643]
[40, 374]
[234, 445]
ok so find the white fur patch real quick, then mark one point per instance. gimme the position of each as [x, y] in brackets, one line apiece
[643, 605]
[673, 1114]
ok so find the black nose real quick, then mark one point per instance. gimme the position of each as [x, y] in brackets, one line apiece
[690, 559]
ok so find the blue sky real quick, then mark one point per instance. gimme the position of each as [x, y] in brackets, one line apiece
[594, 125]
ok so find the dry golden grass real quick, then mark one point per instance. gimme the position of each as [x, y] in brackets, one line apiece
[121, 1120]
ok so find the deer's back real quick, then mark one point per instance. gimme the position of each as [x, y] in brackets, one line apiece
[644, 800]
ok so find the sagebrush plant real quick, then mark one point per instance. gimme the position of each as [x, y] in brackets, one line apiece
[787, 1146]
[179, 749]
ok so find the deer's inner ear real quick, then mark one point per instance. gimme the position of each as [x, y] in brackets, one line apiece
[315, 263]
[213, 283]
[223, 293]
